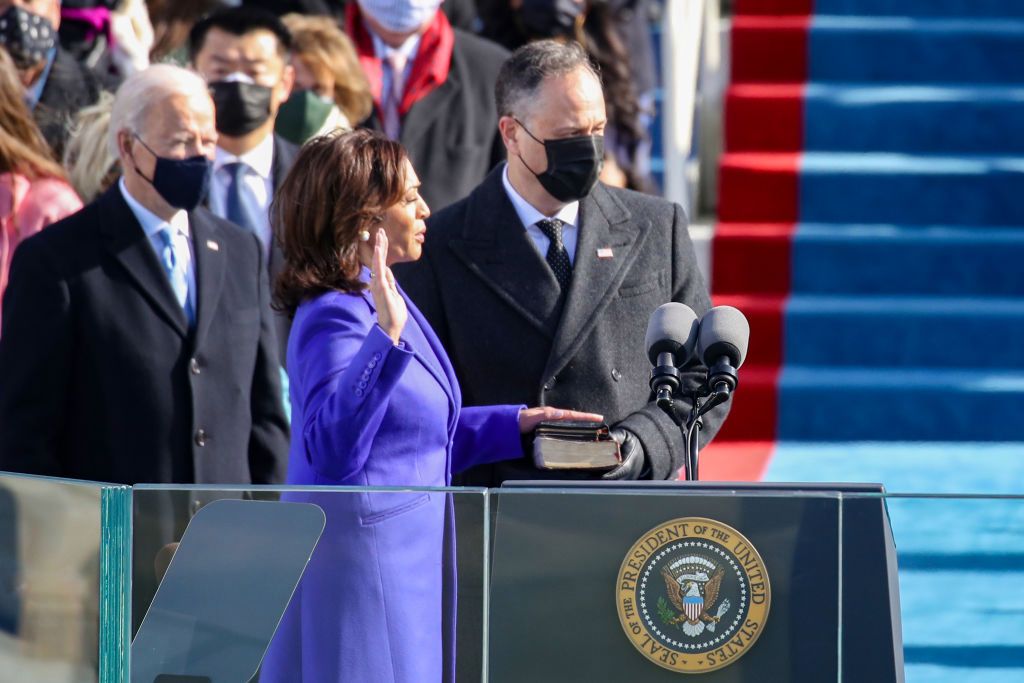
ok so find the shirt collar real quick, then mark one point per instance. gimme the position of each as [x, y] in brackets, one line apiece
[568, 214]
[260, 158]
[150, 222]
[408, 49]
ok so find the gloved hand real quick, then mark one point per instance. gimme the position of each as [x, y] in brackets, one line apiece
[634, 460]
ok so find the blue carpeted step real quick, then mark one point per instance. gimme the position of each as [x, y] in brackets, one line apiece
[857, 404]
[914, 50]
[902, 260]
[882, 332]
[914, 119]
[921, 8]
[911, 189]
[937, 468]
[960, 559]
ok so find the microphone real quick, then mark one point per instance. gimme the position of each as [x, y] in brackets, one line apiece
[670, 340]
[722, 346]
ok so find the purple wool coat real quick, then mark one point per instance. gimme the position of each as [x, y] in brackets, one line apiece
[376, 602]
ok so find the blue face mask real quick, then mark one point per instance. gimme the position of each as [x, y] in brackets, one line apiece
[183, 183]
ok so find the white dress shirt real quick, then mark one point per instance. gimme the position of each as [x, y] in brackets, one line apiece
[180, 235]
[569, 215]
[259, 186]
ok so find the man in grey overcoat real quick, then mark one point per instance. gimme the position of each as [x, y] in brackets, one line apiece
[540, 283]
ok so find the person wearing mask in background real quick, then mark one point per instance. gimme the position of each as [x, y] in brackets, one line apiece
[432, 88]
[56, 84]
[330, 92]
[33, 189]
[602, 27]
[541, 282]
[243, 54]
[111, 37]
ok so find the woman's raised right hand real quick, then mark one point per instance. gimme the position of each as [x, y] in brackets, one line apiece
[391, 310]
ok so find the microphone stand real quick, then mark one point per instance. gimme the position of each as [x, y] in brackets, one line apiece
[703, 400]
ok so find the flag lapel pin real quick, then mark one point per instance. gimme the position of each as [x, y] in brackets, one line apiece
[212, 246]
[605, 252]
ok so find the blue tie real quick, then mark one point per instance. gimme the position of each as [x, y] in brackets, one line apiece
[174, 265]
[237, 209]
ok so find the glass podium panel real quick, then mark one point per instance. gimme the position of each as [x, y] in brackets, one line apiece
[307, 584]
[643, 582]
[50, 565]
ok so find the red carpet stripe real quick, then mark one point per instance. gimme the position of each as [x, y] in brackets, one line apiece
[758, 208]
[764, 118]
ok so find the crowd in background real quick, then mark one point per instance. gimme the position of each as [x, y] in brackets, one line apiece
[63, 61]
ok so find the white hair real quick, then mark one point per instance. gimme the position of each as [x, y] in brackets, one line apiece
[145, 88]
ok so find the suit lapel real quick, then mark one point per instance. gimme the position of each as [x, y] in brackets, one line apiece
[603, 224]
[422, 351]
[284, 157]
[438, 362]
[209, 255]
[496, 248]
[128, 244]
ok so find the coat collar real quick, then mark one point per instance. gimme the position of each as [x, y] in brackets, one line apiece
[211, 255]
[127, 243]
[125, 240]
[495, 246]
[433, 358]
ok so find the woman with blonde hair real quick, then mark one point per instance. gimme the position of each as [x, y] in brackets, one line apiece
[33, 187]
[331, 92]
[91, 168]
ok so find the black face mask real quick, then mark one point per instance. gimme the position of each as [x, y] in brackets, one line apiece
[574, 165]
[183, 183]
[27, 37]
[241, 107]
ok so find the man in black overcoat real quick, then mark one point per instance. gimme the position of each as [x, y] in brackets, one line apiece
[137, 341]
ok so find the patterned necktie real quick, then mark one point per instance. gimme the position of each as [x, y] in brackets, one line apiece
[391, 101]
[558, 257]
[237, 209]
[174, 265]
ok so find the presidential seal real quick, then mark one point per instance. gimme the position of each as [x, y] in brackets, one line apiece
[693, 595]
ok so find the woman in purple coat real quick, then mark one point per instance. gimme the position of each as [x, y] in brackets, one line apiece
[374, 402]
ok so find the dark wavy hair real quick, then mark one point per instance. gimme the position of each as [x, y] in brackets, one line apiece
[340, 184]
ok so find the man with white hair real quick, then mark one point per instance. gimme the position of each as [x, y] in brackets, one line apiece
[137, 341]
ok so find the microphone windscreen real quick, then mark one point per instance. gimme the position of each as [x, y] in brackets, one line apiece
[724, 331]
[672, 328]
